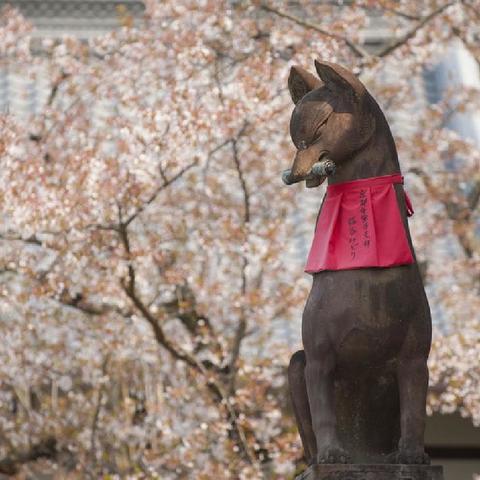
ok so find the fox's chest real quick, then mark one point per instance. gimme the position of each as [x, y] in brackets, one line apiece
[365, 314]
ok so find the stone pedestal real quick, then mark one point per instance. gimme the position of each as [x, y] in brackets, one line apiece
[372, 472]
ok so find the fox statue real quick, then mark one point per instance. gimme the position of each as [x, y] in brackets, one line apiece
[359, 386]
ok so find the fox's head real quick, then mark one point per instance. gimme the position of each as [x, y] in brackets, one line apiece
[332, 118]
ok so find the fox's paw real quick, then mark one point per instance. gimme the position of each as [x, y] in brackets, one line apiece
[405, 456]
[332, 454]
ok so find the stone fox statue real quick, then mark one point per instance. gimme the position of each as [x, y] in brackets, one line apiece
[359, 386]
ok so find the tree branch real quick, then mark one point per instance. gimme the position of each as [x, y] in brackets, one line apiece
[473, 196]
[84, 306]
[399, 13]
[51, 97]
[184, 307]
[212, 384]
[357, 50]
[157, 191]
[460, 216]
[129, 286]
[471, 8]
[243, 323]
[412, 32]
[98, 406]
[46, 448]
[33, 240]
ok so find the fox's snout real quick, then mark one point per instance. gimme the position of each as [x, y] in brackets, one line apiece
[310, 165]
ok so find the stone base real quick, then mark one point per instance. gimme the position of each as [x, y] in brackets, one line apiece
[371, 472]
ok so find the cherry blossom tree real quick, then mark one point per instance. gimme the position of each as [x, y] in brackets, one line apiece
[149, 257]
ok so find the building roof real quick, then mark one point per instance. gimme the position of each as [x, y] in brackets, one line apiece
[81, 18]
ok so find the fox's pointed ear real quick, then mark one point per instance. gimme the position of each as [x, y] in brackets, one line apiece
[337, 78]
[300, 82]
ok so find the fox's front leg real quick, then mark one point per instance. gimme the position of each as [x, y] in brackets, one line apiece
[413, 384]
[319, 376]
[301, 407]
[412, 376]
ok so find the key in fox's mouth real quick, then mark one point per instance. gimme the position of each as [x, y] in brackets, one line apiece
[315, 177]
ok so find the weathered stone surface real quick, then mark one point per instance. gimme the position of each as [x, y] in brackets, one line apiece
[372, 472]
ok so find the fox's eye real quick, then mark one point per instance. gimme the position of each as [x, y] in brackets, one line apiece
[302, 145]
[319, 129]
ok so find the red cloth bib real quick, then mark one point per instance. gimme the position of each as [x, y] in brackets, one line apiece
[360, 226]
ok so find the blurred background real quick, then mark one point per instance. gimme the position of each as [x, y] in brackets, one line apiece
[151, 260]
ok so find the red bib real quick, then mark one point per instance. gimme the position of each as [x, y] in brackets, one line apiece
[360, 226]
